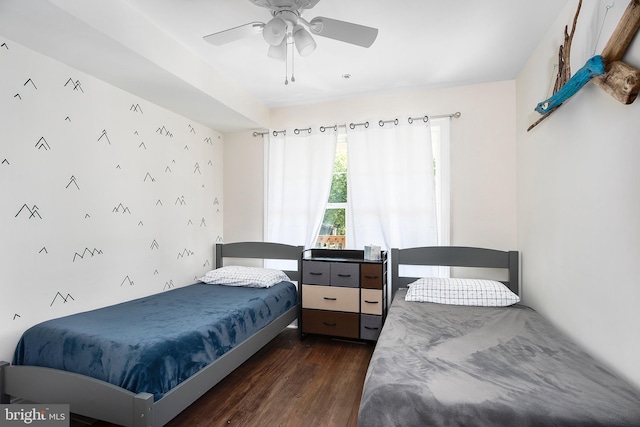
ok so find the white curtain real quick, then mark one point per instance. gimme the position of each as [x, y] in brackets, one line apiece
[391, 190]
[298, 180]
[441, 136]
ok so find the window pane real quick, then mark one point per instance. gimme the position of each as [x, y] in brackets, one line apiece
[332, 232]
[338, 192]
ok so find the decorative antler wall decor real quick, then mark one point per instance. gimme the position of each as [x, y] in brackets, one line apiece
[606, 70]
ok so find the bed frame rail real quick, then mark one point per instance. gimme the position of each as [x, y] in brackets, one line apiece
[86, 396]
[180, 397]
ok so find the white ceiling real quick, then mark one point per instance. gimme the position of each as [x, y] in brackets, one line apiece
[155, 49]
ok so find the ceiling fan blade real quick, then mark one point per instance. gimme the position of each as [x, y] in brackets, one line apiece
[236, 33]
[343, 31]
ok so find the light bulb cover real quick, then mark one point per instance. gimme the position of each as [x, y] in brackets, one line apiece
[275, 31]
[278, 52]
[303, 40]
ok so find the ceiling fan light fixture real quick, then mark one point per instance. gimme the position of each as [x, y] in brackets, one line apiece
[303, 40]
[278, 52]
[275, 31]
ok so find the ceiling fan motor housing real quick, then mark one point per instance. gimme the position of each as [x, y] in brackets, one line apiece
[285, 4]
[289, 16]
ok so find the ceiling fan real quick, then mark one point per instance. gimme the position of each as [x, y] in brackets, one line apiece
[288, 27]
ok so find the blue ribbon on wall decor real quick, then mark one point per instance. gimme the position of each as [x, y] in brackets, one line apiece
[594, 67]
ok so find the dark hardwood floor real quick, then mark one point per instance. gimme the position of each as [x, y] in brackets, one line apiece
[314, 382]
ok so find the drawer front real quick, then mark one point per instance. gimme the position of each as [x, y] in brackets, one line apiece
[316, 273]
[330, 323]
[345, 274]
[371, 276]
[371, 301]
[370, 327]
[331, 298]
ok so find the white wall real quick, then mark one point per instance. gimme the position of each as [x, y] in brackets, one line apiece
[104, 197]
[579, 199]
[243, 187]
[482, 156]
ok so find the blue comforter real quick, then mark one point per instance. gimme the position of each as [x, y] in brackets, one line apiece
[154, 343]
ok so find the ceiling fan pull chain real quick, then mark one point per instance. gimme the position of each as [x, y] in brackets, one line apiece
[293, 78]
[286, 64]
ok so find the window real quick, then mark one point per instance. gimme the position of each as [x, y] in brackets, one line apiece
[332, 233]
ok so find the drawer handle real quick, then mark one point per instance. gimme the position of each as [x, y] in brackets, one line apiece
[313, 273]
[371, 277]
[371, 328]
[330, 299]
[329, 324]
[371, 302]
[343, 275]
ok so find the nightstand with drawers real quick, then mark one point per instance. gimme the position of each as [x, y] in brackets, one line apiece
[343, 294]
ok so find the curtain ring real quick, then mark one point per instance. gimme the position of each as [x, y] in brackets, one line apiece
[297, 131]
[424, 119]
[383, 122]
[353, 125]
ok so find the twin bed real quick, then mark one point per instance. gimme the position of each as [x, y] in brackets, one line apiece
[447, 364]
[142, 362]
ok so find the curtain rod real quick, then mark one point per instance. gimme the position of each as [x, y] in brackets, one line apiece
[425, 119]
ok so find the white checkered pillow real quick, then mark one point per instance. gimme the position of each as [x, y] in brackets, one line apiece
[251, 277]
[476, 292]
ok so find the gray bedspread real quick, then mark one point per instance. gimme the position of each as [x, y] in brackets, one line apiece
[447, 365]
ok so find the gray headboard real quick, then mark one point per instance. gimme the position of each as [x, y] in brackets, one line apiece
[261, 250]
[454, 256]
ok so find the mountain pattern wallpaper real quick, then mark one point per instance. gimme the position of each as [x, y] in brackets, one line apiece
[104, 196]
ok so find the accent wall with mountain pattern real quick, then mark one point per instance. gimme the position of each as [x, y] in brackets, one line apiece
[104, 196]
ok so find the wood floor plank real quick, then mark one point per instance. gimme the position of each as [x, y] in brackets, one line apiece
[316, 381]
